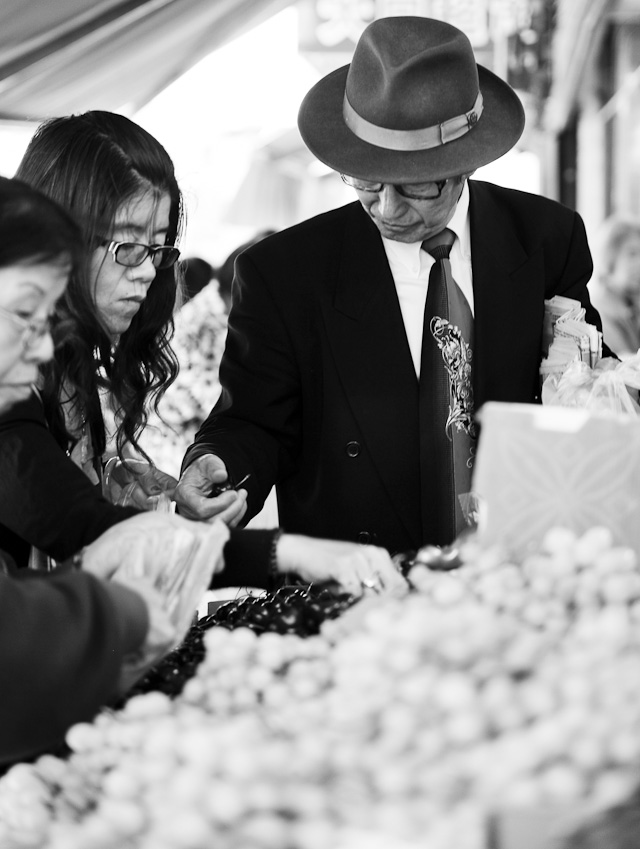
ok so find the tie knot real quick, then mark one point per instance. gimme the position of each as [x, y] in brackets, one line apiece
[439, 246]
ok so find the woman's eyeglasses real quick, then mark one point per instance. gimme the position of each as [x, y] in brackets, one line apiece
[132, 254]
[33, 329]
[412, 191]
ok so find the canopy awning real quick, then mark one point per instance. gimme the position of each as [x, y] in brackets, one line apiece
[73, 55]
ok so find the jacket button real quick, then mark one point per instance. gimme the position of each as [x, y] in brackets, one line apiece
[353, 449]
[365, 537]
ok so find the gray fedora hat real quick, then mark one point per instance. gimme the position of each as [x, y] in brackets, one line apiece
[412, 106]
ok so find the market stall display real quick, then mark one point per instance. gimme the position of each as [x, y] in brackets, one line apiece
[288, 610]
[538, 466]
[496, 687]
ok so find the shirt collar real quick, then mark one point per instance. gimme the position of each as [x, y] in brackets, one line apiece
[408, 254]
[460, 221]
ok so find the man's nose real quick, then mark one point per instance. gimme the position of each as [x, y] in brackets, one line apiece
[391, 204]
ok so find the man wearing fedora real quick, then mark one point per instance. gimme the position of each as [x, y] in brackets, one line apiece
[362, 340]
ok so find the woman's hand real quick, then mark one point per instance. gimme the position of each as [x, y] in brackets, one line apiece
[136, 483]
[169, 561]
[156, 546]
[356, 568]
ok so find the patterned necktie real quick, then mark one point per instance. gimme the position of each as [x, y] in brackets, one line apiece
[447, 430]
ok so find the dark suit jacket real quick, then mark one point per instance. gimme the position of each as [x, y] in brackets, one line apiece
[319, 392]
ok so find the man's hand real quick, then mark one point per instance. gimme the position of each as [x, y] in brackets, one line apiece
[193, 494]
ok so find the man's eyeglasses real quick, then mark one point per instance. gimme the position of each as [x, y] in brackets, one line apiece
[133, 254]
[412, 191]
[33, 329]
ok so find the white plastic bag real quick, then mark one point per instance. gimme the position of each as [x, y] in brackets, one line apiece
[610, 387]
[174, 555]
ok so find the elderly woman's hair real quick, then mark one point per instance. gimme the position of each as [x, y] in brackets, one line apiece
[34, 229]
[92, 164]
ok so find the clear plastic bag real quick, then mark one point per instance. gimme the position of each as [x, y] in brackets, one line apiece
[610, 387]
[175, 556]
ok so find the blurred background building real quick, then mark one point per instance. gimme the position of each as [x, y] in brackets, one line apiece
[593, 108]
[219, 82]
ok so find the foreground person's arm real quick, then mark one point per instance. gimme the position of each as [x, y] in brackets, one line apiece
[45, 499]
[166, 547]
[63, 639]
[255, 557]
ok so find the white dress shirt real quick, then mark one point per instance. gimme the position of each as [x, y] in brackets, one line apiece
[410, 267]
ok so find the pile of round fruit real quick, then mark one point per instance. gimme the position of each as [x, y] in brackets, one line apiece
[404, 722]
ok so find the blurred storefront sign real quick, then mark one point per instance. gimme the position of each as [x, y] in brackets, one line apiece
[329, 29]
[506, 35]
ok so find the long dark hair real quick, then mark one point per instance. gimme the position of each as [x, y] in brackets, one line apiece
[92, 164]
[35, 229]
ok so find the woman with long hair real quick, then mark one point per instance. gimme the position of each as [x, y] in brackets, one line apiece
[112, 328]
[115, 321]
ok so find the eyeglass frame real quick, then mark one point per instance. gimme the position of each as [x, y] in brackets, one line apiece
[152, 251]
[33, 329]
[397, 186]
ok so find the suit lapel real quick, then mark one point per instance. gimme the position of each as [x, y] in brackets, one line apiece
[371, 354]
[368, 341]
[508, 291]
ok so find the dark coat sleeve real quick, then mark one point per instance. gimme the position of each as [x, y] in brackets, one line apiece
[246, 559]
[63, 636]
[525, 249]
[576, 274]
[266, 421]
[45, 499]
[255, 426]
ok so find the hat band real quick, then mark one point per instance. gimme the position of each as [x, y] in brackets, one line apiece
[422, 139]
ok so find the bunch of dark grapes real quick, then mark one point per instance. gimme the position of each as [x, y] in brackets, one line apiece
[288, 610]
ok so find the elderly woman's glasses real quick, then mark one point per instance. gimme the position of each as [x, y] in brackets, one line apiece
[33, 329]
[132, 254]
[412, 191]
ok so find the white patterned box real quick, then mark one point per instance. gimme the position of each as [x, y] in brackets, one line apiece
[543, 467]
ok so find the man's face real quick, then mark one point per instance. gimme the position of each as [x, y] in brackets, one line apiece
[406, 220]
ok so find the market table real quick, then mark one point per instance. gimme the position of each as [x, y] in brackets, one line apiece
[497, 706]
